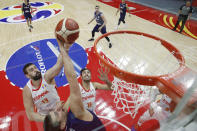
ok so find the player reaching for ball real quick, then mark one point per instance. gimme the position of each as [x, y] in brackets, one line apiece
[68, 30]
[40, 91]
[77, 118]
[100, 26]
[88, 88]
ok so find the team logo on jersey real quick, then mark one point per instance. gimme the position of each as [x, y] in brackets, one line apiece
[43, 86]
[44, 55]
[40, 11]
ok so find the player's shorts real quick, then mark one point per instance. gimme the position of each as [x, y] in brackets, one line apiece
[103, 30]
[27, 15]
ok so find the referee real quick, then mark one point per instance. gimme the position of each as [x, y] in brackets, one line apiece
[185, 13]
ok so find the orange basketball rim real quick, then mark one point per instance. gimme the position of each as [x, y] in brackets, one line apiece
[173, 84]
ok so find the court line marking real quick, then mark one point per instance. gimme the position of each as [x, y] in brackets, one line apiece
[34, 35]
[113, 120]
[56, 52]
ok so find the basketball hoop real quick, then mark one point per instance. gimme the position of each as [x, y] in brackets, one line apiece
[131, 90]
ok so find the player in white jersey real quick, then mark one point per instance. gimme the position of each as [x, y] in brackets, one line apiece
[159, 110]
[88, 88]
[77, 118]
[40, 91]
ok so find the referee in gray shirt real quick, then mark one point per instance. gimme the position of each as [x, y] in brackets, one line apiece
[185, 13]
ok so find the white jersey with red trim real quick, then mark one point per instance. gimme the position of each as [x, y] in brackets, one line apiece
[88, 97]
[164, 102]
[45, 97]
[161, 109]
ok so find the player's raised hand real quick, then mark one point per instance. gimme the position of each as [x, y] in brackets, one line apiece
[103, 74]
[62, 45]
[59, 106]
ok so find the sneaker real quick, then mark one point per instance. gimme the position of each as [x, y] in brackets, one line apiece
[92, 39]
[29, 29]
[31, 26]
[110, 45]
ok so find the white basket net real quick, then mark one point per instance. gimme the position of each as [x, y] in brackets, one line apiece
[129, 96]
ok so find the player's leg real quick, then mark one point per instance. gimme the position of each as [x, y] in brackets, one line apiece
[183, 24]
[27, 20]
[28, 23]
[103, 31]
[30, 17]
[177, 23]
[119, 21]
[93, 32]
[123, 18]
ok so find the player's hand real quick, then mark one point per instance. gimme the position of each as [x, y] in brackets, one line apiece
[60, 43]
[103, 74]
[59, 106]
[63, 45]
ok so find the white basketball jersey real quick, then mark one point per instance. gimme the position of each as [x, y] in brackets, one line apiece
[161, 110]
[88, 97]
[164, 102]
[45, 97]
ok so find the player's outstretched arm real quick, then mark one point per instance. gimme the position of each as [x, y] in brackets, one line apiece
[29, 106]
[76, 104]
[104, 77]
[91, 20]
[54, 71]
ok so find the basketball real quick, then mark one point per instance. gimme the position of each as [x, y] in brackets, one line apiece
[67, 29]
